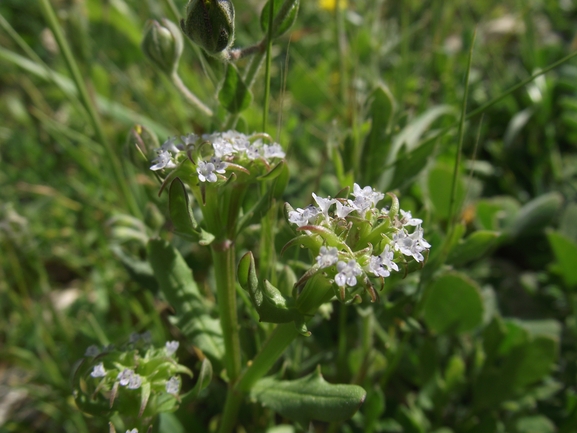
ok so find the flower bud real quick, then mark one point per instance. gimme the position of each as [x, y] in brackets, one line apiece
[162, 44]
[210, 24]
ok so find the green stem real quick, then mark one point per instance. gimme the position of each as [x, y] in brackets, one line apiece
[342, 56]
[223, 256]
[267, 66]
[461, 134]
[190, 97]
[89, 106]
[272, 349]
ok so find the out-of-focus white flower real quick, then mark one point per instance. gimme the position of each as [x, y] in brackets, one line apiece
[98, 371]
[171, 347]
[163, 160]
[173, 385]
[327, 257]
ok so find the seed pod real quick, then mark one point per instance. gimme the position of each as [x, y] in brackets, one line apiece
[210, 24]
[162, 44]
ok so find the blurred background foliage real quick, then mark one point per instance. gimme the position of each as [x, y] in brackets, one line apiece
[486, 343]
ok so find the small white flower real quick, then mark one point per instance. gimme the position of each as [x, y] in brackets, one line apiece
[171, 347]
[411, 244]
[169, 146]
[387, 257]
[98, 371]
[124, 376]
[252, 152]
[173, 385]
[134, 382]
[134, 430]
[324, 204]
[205, 171]
[163, 160]
[219, 165]
[365, 198]
[408, 220]
[273, 151]
[344, 209]
[222, 148]
[92, 351]
[327, 257]
[376, 267]
[347, 273]
[302, 217]
[189, 139]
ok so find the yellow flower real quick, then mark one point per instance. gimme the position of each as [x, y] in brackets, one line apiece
[329, 5]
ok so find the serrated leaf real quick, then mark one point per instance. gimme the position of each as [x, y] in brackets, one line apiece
[285, 15]
[453, 304]
[234, 96]
[310, 398]
[474, 247]
[180, 290]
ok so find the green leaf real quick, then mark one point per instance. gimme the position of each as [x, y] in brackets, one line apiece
[373, 409]
[439, 184]
[410, 164]
[534, 424]
[204, 378]
[567, 224]
[518, 354]
[565, 251]
[453, 304]
[180, 212]
[269, 302]
[234, 96]
[536, 214]
[310, 398]
[496, 213]
[473, 248]
[180, 290]
[285, 15]
[378, 141]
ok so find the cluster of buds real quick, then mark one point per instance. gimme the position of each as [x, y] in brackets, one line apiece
[354, 240]
[215, 154]
[137, 381]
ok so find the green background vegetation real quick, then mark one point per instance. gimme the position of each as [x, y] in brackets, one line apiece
[485, 342]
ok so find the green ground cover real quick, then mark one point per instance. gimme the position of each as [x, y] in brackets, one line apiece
[465, 111]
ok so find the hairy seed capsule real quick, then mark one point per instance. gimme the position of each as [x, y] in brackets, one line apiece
[210, 24]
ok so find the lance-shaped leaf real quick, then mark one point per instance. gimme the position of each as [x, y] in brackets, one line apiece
[310, 398]
[204, 378]
[285, 14]
[474, 247]
[180, 290]
[269, 302]
[378, 142]
[234, 96]
[182, 217]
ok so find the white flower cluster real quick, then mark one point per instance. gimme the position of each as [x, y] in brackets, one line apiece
[349, 266]
[227, 147]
